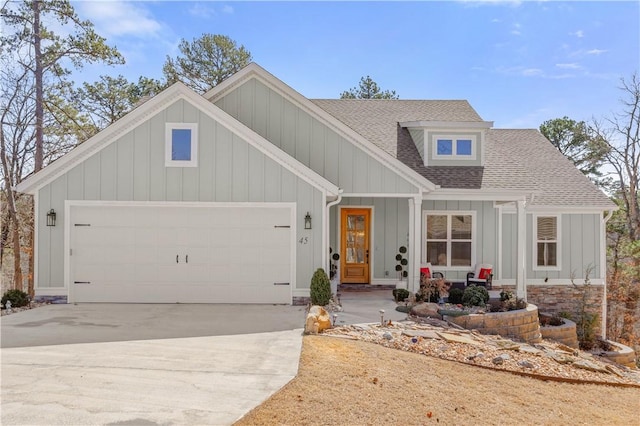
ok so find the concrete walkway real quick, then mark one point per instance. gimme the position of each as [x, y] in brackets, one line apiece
[113, 364]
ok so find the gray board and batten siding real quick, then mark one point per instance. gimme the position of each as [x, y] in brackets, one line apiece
[132, 168]
[579, 247]
[310, 141]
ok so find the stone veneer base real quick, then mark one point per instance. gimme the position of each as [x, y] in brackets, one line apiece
[51, 299]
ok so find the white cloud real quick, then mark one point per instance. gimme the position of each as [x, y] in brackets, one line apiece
[571, 66]
[119, 18]
[582, 52]
[521, 71]
[201, 10]
[478, 3]
[578, 34]
[227, 9]
[531, 72]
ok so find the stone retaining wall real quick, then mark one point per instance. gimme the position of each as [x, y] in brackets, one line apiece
[555, 299]
[624, 355]
[522, 324]
[565, 333]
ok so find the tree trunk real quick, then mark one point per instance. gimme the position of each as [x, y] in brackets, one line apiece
[13, 216]
[39, 154]
[32, 250]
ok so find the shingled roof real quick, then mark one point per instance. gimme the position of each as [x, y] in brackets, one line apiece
[519, 159]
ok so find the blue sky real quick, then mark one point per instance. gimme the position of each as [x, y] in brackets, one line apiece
[518, 63]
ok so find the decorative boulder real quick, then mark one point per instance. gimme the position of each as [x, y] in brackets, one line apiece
[317, 321]
[426, 309]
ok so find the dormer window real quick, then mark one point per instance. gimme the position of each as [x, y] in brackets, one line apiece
[454, 148]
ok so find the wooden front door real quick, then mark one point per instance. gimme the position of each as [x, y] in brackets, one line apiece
[354, 245]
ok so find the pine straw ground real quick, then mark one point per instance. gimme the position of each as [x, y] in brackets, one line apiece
[350, 382]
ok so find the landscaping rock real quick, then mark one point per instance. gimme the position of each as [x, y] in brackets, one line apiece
[497, 360]
[526, 364]
[425, 310]
[527, 349]
[317, 321]
[451, 338]
[387, 336]
[590, 366]
[426, 334]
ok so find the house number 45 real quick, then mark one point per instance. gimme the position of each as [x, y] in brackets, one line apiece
[304, 240]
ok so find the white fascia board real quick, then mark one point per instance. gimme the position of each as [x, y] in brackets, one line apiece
[262, 144]
[254, 70]
[101, 139]
[425, 124]
[477, 195]
[569, 209]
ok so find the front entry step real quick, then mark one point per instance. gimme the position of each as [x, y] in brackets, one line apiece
[364, 287]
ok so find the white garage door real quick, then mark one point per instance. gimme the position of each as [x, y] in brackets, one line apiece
[169, 254]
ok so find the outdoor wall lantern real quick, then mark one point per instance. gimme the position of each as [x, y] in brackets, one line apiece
[307, 221]
[51, 218]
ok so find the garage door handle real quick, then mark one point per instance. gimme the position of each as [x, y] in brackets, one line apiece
[186, 258]
[177, 257]
[280, 283]
[82, 282]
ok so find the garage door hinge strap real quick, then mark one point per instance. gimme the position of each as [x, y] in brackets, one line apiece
[82, 282]
[81, 224]
[280, 283]
[282, 226]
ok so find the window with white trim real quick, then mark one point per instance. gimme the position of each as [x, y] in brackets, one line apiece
[449, 239]
[547, 241]
[454, 147]
[181, 145]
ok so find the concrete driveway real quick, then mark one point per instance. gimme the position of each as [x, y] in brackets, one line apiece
[145, 364]
[140, 364]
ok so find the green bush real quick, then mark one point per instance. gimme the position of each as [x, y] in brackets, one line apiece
[475, 295]
[505, 295]
[455, 295]
[18, 298]
[320, 288]
[400, 294]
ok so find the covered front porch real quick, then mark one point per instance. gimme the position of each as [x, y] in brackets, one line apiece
[384, 239]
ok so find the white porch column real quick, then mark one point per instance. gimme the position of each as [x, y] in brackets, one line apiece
[415, 230]
[521, 285]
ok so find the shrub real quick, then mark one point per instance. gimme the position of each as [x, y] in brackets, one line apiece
[505, 295]
[320, 288]
[400, 294]
[18, 298]
[455, 295]
[475, 295]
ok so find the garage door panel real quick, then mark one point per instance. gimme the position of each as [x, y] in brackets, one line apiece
[273, 217]
[235, 254]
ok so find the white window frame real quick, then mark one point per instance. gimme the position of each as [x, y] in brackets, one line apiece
[450, 213]
[558, 241]
[168, 162]
[454, 155]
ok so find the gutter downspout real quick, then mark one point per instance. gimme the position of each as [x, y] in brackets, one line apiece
[603, 269]
[327, 229]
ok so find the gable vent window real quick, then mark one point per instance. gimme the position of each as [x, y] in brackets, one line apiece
[181, 145]
[454, 148]
[547, 242]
